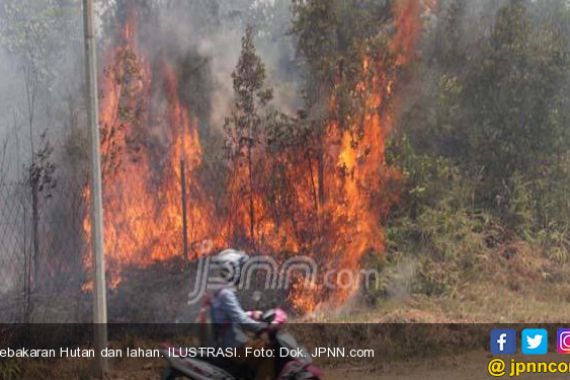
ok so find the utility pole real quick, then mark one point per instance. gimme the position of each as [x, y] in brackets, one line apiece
[99, 293]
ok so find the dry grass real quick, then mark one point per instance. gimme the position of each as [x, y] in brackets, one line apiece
[512, 283]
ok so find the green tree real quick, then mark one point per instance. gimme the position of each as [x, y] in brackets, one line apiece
[514, 102]
[501, 108]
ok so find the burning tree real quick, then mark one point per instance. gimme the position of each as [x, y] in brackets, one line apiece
[244, 132]
[146, 132]
[316, 183]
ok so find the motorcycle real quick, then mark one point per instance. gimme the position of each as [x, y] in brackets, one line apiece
[290, 366]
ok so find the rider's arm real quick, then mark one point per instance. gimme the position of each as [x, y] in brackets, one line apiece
[236, 314]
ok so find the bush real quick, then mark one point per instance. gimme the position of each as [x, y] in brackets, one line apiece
[434, 236]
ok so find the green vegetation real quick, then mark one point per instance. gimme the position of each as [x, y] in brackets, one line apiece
[484, 150]
[477, 145]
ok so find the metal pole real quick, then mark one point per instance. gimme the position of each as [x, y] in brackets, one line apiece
[100, 301]
[184, 211]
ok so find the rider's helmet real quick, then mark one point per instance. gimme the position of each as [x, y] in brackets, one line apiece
[230, 263]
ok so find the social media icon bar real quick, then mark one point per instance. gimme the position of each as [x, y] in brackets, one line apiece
[534, 341]
[504, 342]
[563, 341]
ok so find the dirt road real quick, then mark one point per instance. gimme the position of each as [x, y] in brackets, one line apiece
[471, 366]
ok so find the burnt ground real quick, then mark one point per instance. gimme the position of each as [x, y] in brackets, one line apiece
[525, 289]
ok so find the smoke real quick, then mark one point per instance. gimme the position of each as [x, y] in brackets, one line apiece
[204, 31]
[9, 119]
[205, 36]
[41, 55]
[201, 40]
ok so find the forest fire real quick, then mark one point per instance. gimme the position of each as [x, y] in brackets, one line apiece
[144, 142]
[328, 205]
[359, 178]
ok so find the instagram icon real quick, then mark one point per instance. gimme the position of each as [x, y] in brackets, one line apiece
[563, 344]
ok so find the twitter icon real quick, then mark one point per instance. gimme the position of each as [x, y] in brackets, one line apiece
[534, 341]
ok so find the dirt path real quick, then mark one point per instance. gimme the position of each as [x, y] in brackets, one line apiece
[471, 366]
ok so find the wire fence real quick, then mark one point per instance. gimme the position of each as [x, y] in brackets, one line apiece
[45, 267]
[42, 251]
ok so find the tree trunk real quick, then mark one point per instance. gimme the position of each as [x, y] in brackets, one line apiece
[184, 210]
[313, 185]
[35, 230]
[27, 275]
[321, 175]
[251, 205]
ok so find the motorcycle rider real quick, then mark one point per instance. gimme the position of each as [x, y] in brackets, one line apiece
[231, 322]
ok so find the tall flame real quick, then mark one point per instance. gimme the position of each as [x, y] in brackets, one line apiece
[359, 196]
[144, 140]
[147, 132]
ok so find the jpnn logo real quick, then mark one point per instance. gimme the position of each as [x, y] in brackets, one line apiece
[503, 342]
[534, 341]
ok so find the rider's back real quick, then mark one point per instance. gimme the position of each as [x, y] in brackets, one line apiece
[230, 319]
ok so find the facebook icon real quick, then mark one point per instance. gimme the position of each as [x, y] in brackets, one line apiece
[503, 342]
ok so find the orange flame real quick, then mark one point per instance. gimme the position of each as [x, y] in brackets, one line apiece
[357, 202]
[144, 141]
[145, 137]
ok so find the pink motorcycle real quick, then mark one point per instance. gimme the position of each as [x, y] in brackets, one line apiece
[292, 361]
